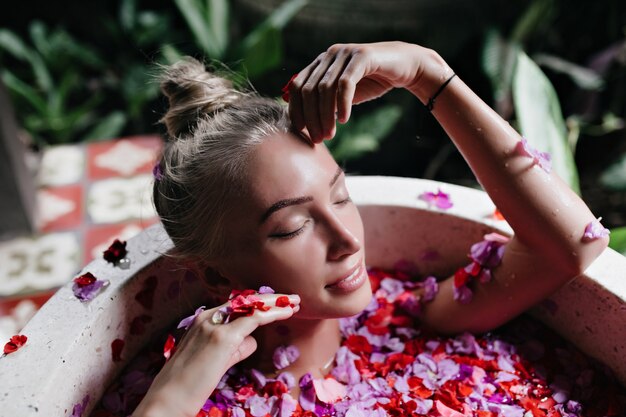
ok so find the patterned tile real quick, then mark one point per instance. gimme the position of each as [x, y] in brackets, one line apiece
[89, 195]
[123, 157]
[59, 208]
[39, 263]
[61, 165]
[15, 312]
[117, 200]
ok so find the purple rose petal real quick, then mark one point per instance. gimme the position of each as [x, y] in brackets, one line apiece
[595, 230]
[284, 356]
[89, 292]
[431, 287]
[157, 173]
[188, 321]
[462, 294]
[79, 408]
[439, 199]
[266, 290]
[543, 159]
[307, 392]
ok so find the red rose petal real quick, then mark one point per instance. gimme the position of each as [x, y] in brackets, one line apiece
[85, 279]
[115, 252]
[285, 89]
[358, 344]
[170, 347]
[16, 342]
[282, 301]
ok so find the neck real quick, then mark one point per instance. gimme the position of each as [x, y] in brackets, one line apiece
[317, 341]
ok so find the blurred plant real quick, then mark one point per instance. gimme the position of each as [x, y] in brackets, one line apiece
[58, 100]
[257, 53]
[363, 134]
[61, 86]
[618, 240]
[520, 85]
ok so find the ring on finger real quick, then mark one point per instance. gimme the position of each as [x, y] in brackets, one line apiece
[219, 317]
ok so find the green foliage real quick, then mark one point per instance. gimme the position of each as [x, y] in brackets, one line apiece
[618, 240]
[257, 53]
[61, 87]
[54, 100]
[363, 134]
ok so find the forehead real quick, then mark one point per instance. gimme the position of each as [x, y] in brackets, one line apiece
[283, 166]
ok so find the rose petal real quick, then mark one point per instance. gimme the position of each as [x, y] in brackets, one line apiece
[188, 321]
[328, 390]
[16, 342]
[439, 199]
[595, 230]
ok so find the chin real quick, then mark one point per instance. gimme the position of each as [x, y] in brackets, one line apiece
[343, 305]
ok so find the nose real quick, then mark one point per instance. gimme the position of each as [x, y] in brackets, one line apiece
[342, 241]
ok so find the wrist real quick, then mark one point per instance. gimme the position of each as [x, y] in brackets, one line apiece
[432, 72]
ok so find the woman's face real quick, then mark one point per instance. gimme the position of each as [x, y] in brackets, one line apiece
[298, 232]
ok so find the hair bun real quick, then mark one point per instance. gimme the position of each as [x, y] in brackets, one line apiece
[192, 92]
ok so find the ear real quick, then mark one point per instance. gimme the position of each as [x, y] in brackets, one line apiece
[214, 278]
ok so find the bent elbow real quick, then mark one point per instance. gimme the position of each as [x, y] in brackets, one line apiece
[578, 260]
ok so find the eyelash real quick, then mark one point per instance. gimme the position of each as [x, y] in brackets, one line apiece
[300, 230]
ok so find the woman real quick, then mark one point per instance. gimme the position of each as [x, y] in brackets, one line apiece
[247, 190]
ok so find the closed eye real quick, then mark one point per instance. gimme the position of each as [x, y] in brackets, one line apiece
[344, 201]
[289, 235]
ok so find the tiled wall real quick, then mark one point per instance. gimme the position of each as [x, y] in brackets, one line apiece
[89, 194]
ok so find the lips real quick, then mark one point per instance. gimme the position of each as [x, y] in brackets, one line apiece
[351, 280]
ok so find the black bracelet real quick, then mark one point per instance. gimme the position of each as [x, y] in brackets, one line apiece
[431, 101]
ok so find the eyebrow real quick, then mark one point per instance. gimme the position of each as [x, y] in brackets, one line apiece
[295, 201]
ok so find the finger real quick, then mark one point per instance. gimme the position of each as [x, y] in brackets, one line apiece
[268, 299]
[244, 326]
[328, 95]
[346, 88]
[296, 113]
[245, 349]
[311, 99]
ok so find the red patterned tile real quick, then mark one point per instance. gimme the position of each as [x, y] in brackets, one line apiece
[60, 208]
[122, 157]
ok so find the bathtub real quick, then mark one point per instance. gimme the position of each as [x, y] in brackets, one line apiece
[69, 355]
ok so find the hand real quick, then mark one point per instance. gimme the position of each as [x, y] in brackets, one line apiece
[349, 74]
[204, 355]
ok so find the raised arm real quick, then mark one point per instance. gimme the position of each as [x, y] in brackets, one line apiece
[548, 218]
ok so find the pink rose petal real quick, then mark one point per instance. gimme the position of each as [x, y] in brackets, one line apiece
[329, 390]
[439, 199]
[595, 230]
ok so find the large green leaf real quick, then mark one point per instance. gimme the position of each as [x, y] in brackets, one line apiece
[540, 119]
[261, 50]
[24, 90]
[11, 43]
[618, 240]
[201, 17]
[363, 135]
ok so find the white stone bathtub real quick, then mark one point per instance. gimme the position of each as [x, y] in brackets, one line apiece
[68, 353]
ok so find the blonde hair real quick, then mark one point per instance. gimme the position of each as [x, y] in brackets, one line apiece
[212, 128]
